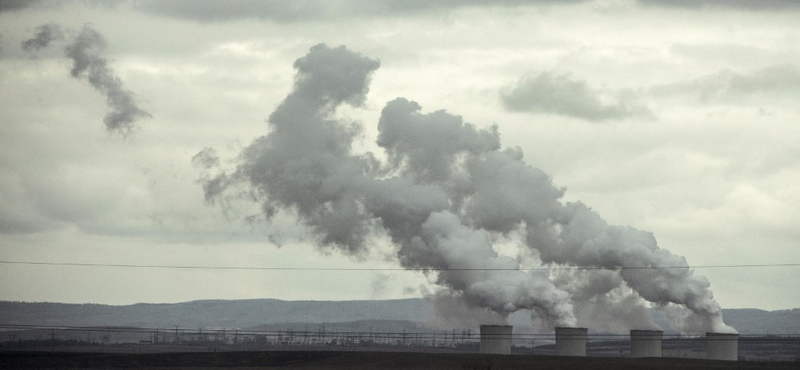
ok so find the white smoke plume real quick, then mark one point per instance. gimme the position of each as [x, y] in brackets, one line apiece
[446, 189]
[603, 301]
[453, 312]
[85, 49]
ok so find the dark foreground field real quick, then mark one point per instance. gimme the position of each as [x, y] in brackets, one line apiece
[352, 360]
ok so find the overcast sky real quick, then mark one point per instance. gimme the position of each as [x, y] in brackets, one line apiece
[676, 117]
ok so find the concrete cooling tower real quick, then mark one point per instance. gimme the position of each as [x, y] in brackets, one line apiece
[496, 339]
[571, 341]
[722, 346]
[646, 343]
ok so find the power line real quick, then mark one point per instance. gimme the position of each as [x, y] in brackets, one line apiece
[296, 268]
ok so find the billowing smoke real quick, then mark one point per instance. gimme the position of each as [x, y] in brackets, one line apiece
[603, 301]
[445, 192]
[206, 159]
[85, 49]
[45, 34]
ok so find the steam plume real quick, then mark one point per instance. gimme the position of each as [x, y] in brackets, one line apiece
[445, 191]
[85, 50]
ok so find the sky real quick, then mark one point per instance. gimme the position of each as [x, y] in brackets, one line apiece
[674, 117]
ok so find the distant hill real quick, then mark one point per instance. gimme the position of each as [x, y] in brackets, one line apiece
[273, 313]
[214, 313]
[750, 320]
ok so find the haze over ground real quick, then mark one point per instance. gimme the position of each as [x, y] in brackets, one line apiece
[678, 120]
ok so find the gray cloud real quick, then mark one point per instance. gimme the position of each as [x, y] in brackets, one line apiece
[563, 95]
[206, 158]
[741, 4]
[85, 50]
[289, 11]
[45, 34]
[16, 221]
[14, 5]
[727, 84]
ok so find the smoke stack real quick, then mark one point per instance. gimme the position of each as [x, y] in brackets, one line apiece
[646, 343]
[571, 341]
[722, 346]
[496, 339]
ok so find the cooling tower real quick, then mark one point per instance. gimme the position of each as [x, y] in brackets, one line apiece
[722, 346]
[496, 339]
[646, 343]
[571, 341]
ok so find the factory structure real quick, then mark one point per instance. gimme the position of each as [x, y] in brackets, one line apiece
[570, 341]
[496, 339]
[722, 346]
[646, 343]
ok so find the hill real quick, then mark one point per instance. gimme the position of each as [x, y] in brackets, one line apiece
[214, 313]
[414, 312]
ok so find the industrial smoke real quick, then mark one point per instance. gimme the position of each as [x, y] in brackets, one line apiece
[442, 191]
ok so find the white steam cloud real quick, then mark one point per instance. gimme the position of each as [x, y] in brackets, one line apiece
[446, 190]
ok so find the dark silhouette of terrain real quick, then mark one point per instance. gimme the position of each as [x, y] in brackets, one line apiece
[272, 313]
[355, 360]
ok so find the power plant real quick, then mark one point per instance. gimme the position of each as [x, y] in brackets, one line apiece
[571, 341]
[496, 339]
[491, 340]
[722, 346]
[646, 343]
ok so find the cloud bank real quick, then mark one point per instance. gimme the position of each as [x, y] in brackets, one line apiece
[736, 4]
[728, 84]
[561, 94]
[298, 11]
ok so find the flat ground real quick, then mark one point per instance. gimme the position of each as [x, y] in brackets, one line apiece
[353, 360]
